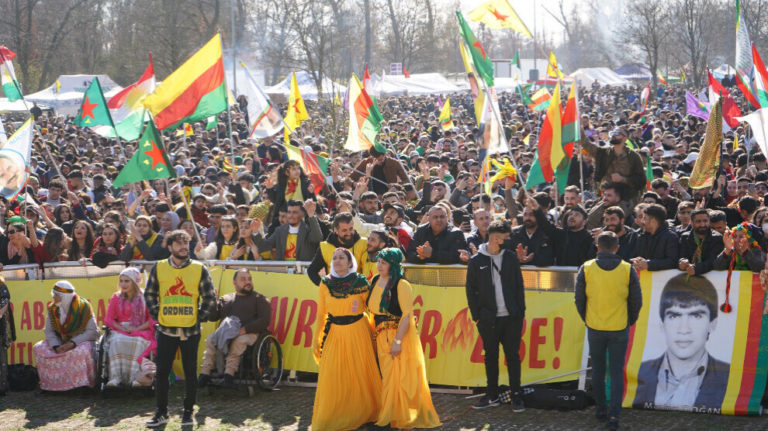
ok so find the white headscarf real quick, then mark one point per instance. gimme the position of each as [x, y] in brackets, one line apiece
[351, 270]
[66, 297]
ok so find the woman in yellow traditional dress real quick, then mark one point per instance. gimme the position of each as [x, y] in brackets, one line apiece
[348, 385]
[406, 401]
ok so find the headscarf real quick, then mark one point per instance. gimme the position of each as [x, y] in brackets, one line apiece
[138, 306]
[71, 316]
[352, 283]
[394, 257]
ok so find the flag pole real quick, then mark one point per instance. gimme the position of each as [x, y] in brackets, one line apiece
[229, 120]
[192, 218]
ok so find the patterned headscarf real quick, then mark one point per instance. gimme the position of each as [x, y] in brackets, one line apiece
[394, 257]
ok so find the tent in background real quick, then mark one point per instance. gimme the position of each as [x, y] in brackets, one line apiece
[66, 99]
[723, 71]
[417, 84]
[17, 106]
[588, 75]
[634, 72]
[307, 88]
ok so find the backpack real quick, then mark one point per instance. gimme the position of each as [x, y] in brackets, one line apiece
[22, 377]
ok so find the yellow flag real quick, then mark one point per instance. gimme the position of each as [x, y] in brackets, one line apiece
[297, 112]
[499, 14]
[478, 95]
[553, 69]
[445, 116]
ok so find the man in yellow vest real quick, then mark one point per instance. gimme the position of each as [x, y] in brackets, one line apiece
[609, 299]
[343, 235]
[179, 295]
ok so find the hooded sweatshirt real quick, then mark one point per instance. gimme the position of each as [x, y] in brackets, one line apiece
[496, 259]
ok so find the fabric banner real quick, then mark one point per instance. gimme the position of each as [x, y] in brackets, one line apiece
[452, 346]
[686, 354]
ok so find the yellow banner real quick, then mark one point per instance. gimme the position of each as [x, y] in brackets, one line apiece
[452, 346]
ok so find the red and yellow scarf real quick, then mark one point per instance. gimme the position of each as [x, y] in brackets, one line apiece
[79, 315]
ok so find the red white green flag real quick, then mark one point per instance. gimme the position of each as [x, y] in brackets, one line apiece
[314, 166]
[569, 137]
[364, 119]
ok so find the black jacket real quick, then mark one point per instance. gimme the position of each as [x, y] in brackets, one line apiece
[660, 249]
[541, 243]
[711, 247]
[574, 248]
[445, 246]
[481, 295]
[318, 263]
[711, 392]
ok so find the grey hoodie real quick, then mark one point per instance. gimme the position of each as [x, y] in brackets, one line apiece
[496, 259]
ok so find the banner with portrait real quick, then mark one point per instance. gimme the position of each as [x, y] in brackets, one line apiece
[700, 344]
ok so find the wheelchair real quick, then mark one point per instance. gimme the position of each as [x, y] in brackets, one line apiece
[261, 366]
[102, 369]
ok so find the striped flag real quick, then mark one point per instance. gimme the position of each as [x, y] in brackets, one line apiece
[569, 137]
[549, 152]
[264, 119]
[540, 100]
[645, 95]
[445, 116]
[364, 119]
[314, 166]
[193, 92]
[10, 84]
[126, 109]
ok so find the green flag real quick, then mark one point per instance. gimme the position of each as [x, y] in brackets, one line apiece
[516, 61]
[212, 123]
[648, 172]
[93, 111]
[149, 162]
[483, 64]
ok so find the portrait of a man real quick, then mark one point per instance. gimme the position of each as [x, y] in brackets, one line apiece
[686, 374]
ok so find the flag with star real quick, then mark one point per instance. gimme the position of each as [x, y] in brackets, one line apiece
[94, 110]
[149, 162]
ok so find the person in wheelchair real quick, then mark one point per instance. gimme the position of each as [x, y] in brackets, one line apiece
[133, 335]
[65, 358]
[245, 314]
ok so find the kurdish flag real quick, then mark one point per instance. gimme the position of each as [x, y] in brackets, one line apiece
[149, 162]
[315, 166]
[364, 119]
[93, 111]
[126, 108]
[498, 14]
[10, 84]
[263, 118]
[483, 64]
[445, 115]
[540, 100]
[549, 151]
[570, 135]
[296, 112]
[193, 92]
[760, 78]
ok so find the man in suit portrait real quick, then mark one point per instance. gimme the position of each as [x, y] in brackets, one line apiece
[686, 375]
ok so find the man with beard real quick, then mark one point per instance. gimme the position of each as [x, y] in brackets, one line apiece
[574, 242]
[436, 241]
[612, 196]
[657, 247]
[377, 240]
[295, 240]
[700, 246]
[343, 235]
[534, 240]
[617, 163]
[613, 221]
[245, 314]
[179, 295]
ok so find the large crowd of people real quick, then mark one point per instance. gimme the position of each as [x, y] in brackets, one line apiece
[421, 201]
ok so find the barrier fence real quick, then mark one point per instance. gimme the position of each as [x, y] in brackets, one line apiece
[552, 346]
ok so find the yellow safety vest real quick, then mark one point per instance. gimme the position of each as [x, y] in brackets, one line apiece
[179, 293]
[607, 293]
[359, 250]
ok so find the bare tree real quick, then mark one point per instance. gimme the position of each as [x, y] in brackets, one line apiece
[646, 28]
[693, 21]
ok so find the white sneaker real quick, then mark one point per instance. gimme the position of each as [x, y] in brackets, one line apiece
[113, 383]
[136, 384]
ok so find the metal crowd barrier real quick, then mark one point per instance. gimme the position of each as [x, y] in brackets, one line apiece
[552, 278]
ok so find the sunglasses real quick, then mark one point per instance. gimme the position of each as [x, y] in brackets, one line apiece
[12, 231]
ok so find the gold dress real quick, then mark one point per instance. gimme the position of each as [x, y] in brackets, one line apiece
[406, 401]
[349, 385]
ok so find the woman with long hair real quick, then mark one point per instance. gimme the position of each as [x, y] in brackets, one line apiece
[348, 383]
[82, 241]
[190, 227]
[133, 336]
[107, 247]
[17, 242]
[406, 401]
[144, 243]
[228, 245]
[54, 248]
